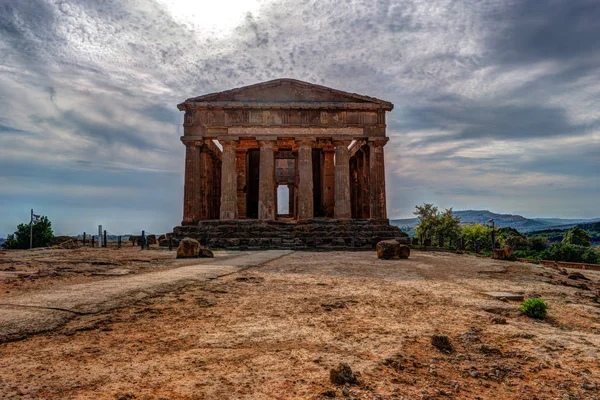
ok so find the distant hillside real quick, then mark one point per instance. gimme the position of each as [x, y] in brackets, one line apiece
[556, 233]
[501, 220]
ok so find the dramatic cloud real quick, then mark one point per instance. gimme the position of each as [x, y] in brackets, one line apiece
[496, 102]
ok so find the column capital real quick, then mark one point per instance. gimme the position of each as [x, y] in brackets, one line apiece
[309, 141]
[228, 142]
[377, 142]
[341, 142]
[267, 142]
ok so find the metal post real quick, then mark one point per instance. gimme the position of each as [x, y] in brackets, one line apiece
[104, 244]
[31, 230]
[143, 239]
[84, 238]
[92, 241]
[493, 237]
[99, 236]
[119, 241]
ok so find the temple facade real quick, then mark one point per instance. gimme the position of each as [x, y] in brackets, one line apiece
[322, 148]
[323, 145]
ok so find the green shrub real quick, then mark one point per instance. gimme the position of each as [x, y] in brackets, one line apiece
[535, 308]
[570, 253]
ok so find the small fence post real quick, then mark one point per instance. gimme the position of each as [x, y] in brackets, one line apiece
[84, 238]
[143, 239]
[119, 242]
[92, 241]
[170, 243]
[104, 243]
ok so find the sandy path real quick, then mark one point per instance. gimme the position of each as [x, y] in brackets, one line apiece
[45, 310]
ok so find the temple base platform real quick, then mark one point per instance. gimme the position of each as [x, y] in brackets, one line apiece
[314, 234]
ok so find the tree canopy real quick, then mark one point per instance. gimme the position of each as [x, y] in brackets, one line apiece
[578, 237]
[42, 235]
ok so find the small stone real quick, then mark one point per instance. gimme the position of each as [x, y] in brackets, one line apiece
[499, 321]
[588, 385]
[474, 374]
[205, 253]
[328, 393]
[442, 343]
[342, 374]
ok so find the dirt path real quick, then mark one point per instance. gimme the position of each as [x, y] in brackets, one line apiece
[45, 310]
[275, 332]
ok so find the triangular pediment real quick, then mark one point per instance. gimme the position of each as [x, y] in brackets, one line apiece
[288, 90]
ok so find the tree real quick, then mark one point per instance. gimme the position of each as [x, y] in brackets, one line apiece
[428, 220]
[578, 237]
[474, 233]
[449, 225]
[42, 235]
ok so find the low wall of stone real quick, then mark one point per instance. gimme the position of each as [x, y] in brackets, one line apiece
[326, 234]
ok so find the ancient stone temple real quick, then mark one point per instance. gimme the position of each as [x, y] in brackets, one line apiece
[285, 163]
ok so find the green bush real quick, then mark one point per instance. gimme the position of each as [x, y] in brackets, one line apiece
[570, 253]
[535, 308]
[42, 235]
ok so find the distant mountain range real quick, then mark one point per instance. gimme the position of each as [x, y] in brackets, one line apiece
[502, 220]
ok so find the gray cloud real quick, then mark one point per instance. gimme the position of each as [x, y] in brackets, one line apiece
[484, 91]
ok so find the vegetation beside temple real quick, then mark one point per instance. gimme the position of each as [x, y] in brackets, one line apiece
[445, 230]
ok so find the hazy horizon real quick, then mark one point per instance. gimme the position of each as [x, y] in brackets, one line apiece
[497, 103]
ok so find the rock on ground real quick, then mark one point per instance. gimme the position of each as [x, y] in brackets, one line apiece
[392, 249]
[342, 374]
[188, 248]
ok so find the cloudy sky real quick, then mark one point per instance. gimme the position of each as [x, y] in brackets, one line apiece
[497, 103]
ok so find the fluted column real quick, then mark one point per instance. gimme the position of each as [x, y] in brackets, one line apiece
[377, 178]
[342, 208]
[266, 186]
[305, 177]
[191, 190]
[205, 184]
[229, 208]
[241, 181]
[328, 181]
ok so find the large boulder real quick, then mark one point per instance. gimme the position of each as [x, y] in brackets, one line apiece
[152, 239]
[188, 248]
[504, 253]
[392, 249]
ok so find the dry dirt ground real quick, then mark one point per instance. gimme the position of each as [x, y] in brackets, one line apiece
[275, 331]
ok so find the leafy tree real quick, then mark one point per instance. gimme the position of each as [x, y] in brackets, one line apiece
[538, 243]
[578, 236]
[570, 253]
[449, 225]
[428, 220]
[517, 242]
[474, 233]
[42, 235]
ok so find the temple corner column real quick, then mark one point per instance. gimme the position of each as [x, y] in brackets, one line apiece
[191, 191]
[377, 178]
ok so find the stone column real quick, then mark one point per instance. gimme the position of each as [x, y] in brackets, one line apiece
[377, 178]
[191, 191]
[266, 186]
[241, 181]
[328, 181]
[291, 202]
[342, 208]
[229, 208]
[205, 184]
[305, 179]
